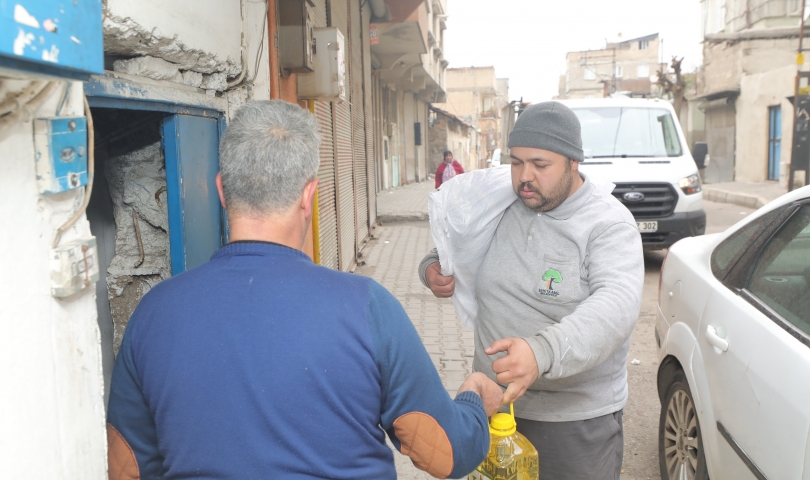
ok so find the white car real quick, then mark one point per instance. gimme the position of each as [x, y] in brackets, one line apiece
[733, 334]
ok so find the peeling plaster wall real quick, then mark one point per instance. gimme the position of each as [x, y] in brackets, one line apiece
[51, 387]
[135, 180]
[199, 35]
[196, 43]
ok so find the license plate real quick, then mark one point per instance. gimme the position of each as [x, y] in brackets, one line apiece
[647, 226]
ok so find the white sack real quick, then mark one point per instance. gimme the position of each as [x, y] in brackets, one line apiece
[464, 214]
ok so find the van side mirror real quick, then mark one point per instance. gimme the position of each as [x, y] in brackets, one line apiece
[699, 152]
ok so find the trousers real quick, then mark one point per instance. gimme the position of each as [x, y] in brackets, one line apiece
[581, 450]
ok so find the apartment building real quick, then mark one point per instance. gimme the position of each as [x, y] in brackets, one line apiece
[623, 66]
[746, 86]
[477, 96]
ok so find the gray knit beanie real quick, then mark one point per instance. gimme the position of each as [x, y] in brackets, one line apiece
[549, 126]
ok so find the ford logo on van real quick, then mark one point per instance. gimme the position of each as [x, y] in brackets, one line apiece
[634, 196]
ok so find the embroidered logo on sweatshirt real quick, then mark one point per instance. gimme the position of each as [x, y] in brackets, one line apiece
[551, 277]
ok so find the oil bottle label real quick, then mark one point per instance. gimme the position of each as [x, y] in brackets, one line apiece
[476, 475]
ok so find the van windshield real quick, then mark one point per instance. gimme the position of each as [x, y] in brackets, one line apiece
[628, 132]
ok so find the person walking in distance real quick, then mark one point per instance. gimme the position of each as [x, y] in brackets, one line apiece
[558, 293]
[448, 169]
[261, 364]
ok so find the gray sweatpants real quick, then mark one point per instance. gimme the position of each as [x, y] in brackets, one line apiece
[583, 450]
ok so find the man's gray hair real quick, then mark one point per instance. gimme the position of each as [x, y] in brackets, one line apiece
[268, 153]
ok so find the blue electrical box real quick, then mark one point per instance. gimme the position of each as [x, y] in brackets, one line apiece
[54, 38]
[61, 153]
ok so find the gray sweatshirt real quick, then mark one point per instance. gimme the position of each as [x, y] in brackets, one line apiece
[569, 282]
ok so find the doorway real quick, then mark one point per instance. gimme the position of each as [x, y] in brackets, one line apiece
[774, 141]
[155, 209]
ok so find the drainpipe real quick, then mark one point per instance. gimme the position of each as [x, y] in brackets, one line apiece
[272, 37]
[316, 217]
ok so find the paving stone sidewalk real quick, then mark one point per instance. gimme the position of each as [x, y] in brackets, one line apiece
[392, 259]
[406, 203]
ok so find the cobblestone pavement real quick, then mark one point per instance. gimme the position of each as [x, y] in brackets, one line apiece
[407, 203]
[392, 259]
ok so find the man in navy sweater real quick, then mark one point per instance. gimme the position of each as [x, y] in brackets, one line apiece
[260, 364]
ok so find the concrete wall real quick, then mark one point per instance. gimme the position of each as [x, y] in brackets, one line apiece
[51, 387]
[212, 26]
[757, 93]
[763, 71]
[197, 43]
[724, 63]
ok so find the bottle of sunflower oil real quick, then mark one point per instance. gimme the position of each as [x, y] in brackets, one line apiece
[511, 455]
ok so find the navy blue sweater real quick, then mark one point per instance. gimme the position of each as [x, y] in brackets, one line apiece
[260, 364]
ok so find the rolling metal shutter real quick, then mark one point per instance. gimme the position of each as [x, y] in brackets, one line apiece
[344, 160]
[327, 212]
[345, 183]
[358, 125]
[368, 113]
[319, 19]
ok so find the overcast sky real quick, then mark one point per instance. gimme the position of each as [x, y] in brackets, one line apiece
[526, 40]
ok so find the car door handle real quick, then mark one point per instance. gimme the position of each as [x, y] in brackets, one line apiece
[715, 339]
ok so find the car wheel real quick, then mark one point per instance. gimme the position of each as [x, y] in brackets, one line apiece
[680, 445]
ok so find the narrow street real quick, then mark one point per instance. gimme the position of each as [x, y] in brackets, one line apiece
[392, 258]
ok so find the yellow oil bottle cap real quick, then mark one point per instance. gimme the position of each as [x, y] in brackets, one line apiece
[503, 424]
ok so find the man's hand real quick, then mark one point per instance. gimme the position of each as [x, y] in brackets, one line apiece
[518, 368]
[441, 286]
[489, 391]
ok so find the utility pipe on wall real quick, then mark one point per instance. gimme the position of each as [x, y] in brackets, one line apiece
[272, 37]
[238, 80]
[316, 217]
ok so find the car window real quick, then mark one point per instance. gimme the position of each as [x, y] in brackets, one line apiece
[781, 276]
[726, 254]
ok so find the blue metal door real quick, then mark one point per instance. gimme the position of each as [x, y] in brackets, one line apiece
[192, 161]
[774, 141]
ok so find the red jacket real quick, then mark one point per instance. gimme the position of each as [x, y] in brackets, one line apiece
[440, 171]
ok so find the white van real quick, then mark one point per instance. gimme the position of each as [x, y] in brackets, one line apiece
[638, 145]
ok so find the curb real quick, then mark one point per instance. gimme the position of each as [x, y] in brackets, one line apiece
[742, 199]
[403, 217]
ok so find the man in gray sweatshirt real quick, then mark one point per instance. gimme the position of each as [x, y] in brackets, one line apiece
[559, 293]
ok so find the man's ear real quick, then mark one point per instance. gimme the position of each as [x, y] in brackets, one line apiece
[308, 197]
[574, 164]
[220, 191]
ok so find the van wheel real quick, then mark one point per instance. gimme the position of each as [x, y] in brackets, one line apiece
[680, 445]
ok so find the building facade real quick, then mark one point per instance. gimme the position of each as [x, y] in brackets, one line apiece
[449, 132]
[745, 87]
[624, 66]
[477, 96]
[409, 74]
[168, 76]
